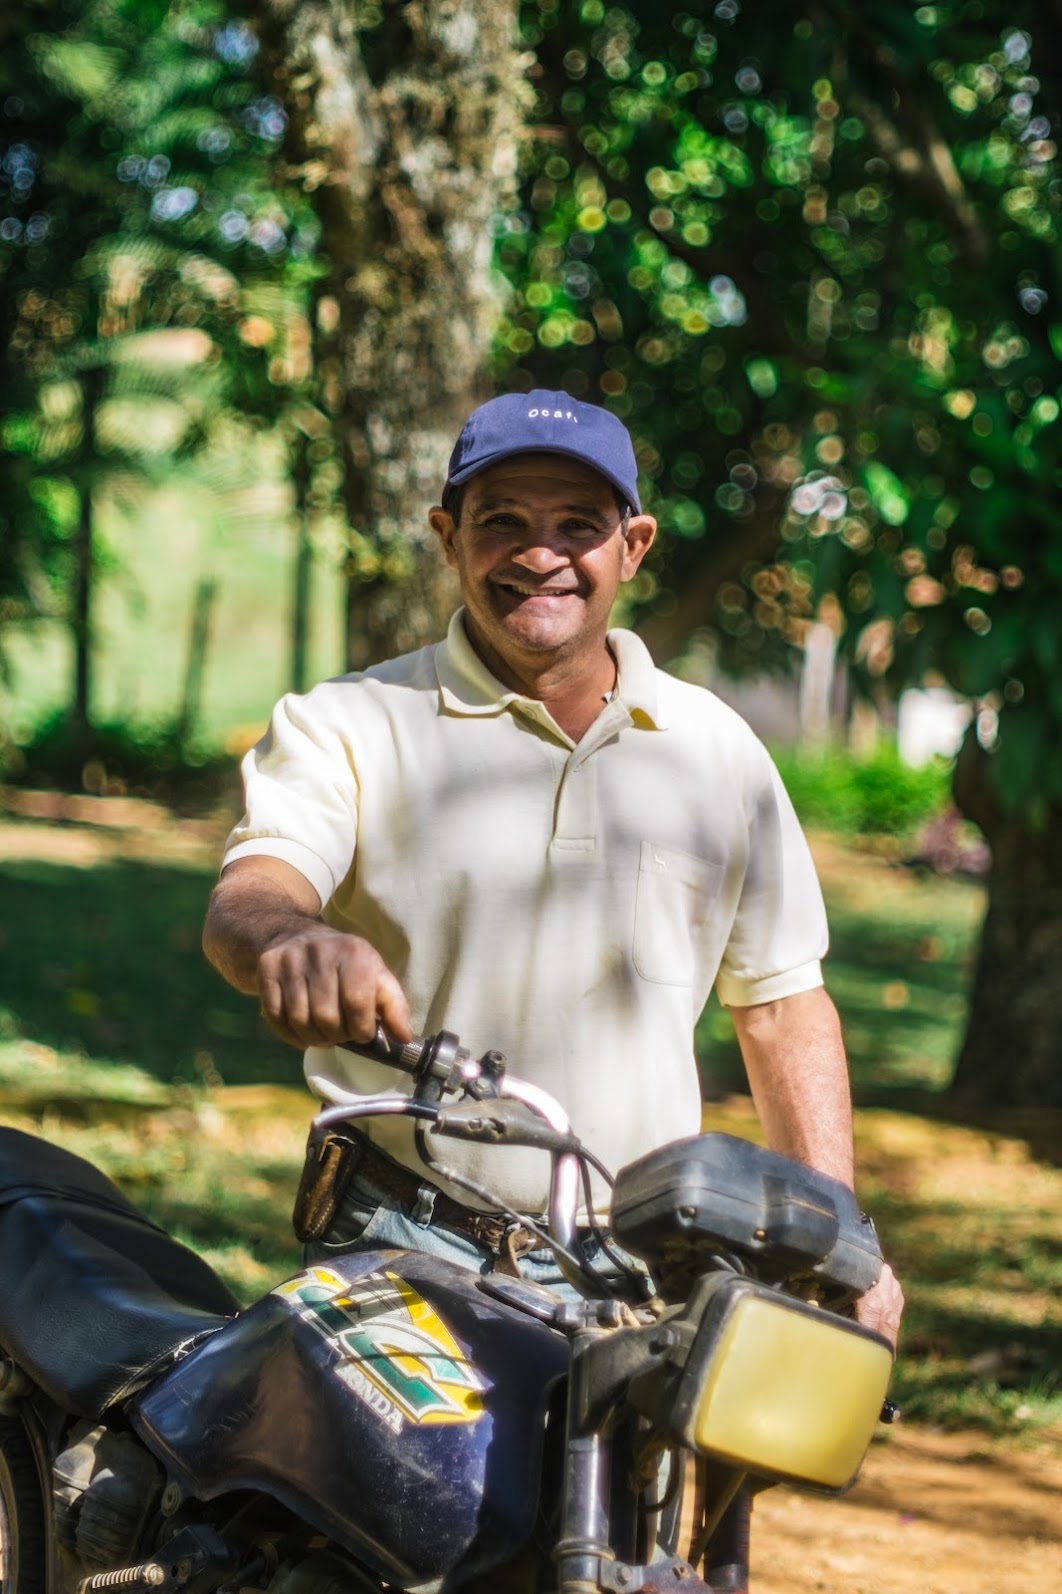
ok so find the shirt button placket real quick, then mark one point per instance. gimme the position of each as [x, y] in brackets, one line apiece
[576, 824]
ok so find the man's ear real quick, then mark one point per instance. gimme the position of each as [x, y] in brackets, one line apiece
[442, 523]
[638, 539]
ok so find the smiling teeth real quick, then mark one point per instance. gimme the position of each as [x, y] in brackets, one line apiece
[538, 592]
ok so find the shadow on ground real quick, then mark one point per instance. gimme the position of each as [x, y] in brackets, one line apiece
[107, 961]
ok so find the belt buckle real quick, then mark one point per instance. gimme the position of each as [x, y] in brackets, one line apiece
[518, 1242]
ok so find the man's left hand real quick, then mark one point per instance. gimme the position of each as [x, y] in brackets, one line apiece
[882, 1306]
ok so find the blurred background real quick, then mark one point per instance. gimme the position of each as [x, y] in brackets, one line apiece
[257, 263]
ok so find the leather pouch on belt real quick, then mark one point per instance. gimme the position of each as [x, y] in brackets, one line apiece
[326, 1173]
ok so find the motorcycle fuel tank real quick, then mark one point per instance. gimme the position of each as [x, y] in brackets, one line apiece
[384, 1399]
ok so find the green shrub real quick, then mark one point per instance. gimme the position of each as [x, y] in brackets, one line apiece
[118, 758]
[879, 794]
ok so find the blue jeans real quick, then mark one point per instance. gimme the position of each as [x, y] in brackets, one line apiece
[369, 1219]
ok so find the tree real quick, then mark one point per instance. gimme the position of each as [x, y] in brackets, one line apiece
[402, 126]
[814, 266]
[134, 210]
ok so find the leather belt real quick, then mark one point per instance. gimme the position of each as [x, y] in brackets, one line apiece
[497, 1232]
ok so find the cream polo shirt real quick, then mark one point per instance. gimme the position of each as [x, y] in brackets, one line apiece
[569, 904]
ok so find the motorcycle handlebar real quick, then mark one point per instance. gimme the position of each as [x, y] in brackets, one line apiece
[383, 1048]
[438, 1063]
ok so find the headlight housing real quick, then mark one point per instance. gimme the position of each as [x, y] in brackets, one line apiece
[717, 1194]
[772, 1385]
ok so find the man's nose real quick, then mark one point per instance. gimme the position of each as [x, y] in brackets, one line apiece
[540, 549]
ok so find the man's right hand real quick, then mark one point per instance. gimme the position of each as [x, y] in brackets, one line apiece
[317, 985]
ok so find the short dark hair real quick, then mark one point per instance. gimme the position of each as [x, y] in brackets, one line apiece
[453, 499]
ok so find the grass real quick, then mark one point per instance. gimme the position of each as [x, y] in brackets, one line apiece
[103, 961]
[216, 1166]
[117, 1041]
[973, 1220]
[153, 559]
[900, 961]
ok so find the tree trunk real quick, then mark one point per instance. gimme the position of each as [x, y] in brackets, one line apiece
[81, 618]
[206, 592]
[1012, 1053]
[301, 472]
[84, 554]
[406, 134]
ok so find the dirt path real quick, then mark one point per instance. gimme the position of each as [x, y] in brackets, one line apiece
[931, 1514]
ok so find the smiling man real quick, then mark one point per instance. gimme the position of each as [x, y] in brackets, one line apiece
[528, 834]
[541, 546]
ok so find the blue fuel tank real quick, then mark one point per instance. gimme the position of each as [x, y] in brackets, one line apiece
[383, 1398]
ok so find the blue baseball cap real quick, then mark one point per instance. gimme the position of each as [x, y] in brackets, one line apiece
[546, 423]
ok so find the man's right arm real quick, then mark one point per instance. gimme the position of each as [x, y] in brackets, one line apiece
[317, 986]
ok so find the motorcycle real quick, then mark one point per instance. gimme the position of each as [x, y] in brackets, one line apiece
[386, 1420]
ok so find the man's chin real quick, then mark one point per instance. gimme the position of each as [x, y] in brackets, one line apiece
[539, 635]
[541, 623]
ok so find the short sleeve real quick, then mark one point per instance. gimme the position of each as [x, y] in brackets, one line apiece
[301, 793]
[779, 934]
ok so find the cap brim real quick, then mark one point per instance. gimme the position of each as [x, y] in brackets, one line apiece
[459, 477]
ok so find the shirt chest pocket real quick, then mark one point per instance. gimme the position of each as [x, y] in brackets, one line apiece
[675, 898]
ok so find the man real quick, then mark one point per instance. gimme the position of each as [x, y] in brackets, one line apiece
[529, 835]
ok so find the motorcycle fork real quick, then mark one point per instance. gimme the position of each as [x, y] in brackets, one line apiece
[593, 1517]
[583, 1542]
[582, 1545]
[600, 1529]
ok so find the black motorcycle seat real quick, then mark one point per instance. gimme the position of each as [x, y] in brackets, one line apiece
[93, 1296]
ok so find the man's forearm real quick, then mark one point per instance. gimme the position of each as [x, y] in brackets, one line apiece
[318, 986]
[794, 1057]
[250, 909]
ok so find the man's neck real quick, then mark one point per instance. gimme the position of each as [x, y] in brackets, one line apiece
[575, 690]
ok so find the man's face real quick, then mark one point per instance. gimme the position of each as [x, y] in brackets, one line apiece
[541, 552]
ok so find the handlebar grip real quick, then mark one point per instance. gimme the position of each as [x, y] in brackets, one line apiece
[383, 1048]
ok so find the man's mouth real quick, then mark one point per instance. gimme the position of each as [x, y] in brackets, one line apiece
[524, 589]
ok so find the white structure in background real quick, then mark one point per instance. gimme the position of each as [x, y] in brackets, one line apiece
[930, 721]
[811, 708]
[817, 685]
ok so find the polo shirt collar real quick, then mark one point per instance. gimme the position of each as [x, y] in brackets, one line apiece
[466, 686]
[638, 685]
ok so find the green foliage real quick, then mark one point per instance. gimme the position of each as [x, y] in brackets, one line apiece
[879, 794]
[139, 218]
[119, 758]
[814, 267]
